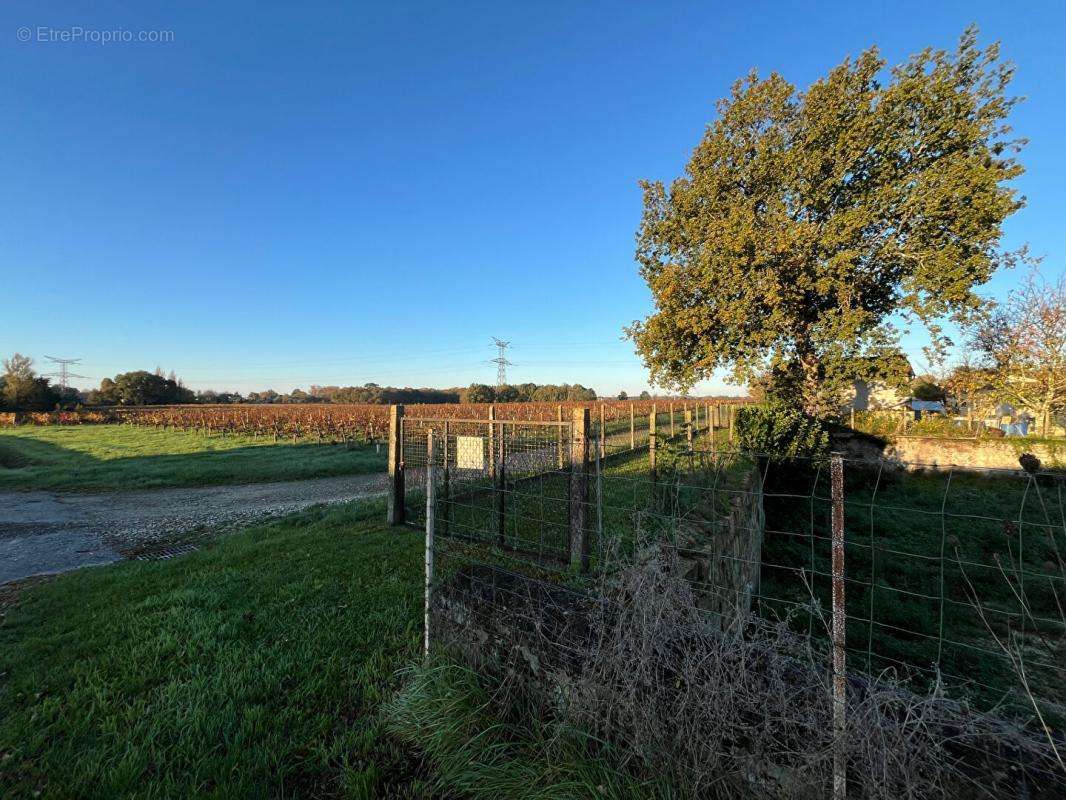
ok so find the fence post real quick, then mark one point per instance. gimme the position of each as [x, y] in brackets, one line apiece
[688, 428]
[431, 510]
[652, 443]
[446, 484]
[632, 428]
[492, 440]
[501, 487]
[732, 421]
[396, 514]
[579, 490]
[840, 764]
[603, 434]
[671, 419]
[562, 453]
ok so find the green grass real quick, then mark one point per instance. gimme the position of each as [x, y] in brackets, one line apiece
[255, 668]
[919, 547]
[478, 737]
[122, 457]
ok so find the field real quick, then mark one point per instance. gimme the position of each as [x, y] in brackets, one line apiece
[123, 457]
[264, 666]
[280, 642]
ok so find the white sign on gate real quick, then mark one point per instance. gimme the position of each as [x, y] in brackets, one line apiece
[470, 452]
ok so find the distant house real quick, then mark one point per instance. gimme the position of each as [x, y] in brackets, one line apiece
[875, 395]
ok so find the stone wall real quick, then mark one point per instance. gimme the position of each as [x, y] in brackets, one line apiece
[721, 549]
[918, 452]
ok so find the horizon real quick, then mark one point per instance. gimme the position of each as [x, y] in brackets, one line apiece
[349, 195]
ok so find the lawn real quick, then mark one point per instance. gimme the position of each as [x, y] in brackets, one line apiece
[122, 457]
[254, 668]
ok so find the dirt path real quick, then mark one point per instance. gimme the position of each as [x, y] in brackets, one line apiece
[45, 532]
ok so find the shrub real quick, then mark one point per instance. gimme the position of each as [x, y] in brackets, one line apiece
[781, 432]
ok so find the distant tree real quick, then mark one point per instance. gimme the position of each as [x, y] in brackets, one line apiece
[967, 383]
[23, 390]
[925, 387]
[1023, 343]
[479, 393]
[806, 221]
[622, 395]
[507, 394]
[645, 395]
[141, 388]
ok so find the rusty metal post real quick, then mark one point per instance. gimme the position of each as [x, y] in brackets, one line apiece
[840, 764]
[445, 483]
[500, 474]
[396, 515]
[492, 440]
[431, 510]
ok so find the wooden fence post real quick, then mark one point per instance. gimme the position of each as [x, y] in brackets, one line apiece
[732, 421]
[396, 515]
[632, 428]
[671, 419]
[652, 443]
[579, 490]
[688, 428]
[561, 445]
[603, 433]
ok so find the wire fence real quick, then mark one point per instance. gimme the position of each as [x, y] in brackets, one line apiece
[947, 581]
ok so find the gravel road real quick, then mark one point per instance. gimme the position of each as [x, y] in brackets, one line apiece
[46, 532]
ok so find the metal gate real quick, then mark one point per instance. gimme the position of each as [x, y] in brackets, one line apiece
[521, 485]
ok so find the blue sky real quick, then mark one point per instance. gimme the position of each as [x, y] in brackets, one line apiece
[285, 195]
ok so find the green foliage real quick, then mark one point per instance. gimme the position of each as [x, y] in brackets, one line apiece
[141, 388]
[485, 744]
[22, 390]
[479, 393]
[781, 432]
[926, 388]
[805, 221]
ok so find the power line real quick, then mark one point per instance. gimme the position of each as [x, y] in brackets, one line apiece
[64, 374]
[501, 363]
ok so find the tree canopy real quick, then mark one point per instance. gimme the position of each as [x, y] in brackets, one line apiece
[1022, 343]
[22, 390]
[806, 224]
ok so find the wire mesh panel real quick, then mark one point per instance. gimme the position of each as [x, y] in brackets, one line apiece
[952, 582]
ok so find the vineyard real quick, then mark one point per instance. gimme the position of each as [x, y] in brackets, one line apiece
[342, 423]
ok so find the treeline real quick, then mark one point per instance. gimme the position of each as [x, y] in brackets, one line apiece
[22, 389]
[386, 395]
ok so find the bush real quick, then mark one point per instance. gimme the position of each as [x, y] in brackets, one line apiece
[781, 432]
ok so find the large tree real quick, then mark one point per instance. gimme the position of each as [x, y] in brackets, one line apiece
[806, 223]
[22, 390]
[1023, 343]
